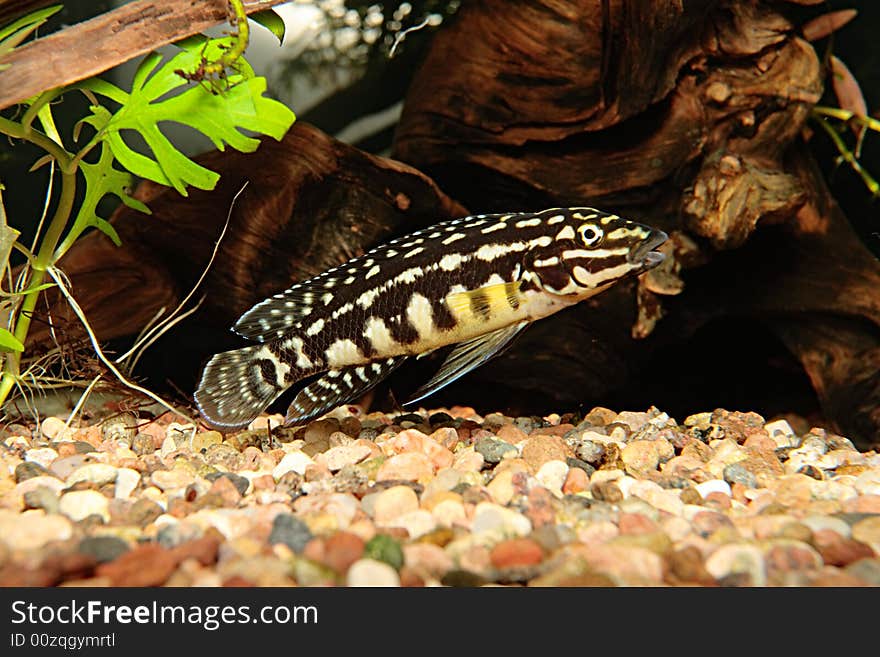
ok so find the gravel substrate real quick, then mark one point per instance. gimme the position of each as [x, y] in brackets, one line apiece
[440, 498]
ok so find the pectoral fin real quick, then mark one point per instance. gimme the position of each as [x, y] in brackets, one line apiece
[468, 356]
[337, 387]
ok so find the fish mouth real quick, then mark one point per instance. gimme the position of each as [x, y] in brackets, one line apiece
[644, 254]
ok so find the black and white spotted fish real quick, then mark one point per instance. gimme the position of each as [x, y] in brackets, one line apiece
[475, 282]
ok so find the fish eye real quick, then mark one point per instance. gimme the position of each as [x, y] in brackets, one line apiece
[591, 234]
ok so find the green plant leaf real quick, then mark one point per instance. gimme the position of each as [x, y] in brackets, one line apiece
[219, 107]
[32, 20]
[9, 342]
[272, 22]
[36, 288]
[13, 34]
[103, 179]
[41, 162]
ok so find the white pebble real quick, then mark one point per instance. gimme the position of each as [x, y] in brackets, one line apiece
[417, 523]
[369, 572]
[80, 504]
[837, 525]
[293, 461]
[839, 457]
[388, 504]
[661, 420]
[126, 481]
[868, 482]
[52, 483]
[32, 529]
[781, 433]
[54, 428]
[552, 475]
[677, 529]
[797, 460]
[643, 487]
[180, 432]
[832, 490]
[17, 442]
[601, 476]
[171, 479]
[95, 473]
[714, 486]
[168, 446]
[738, 558]
[690, 511]
[449, 512]
[492, 517]
[337, 458]
[41, 455]
[625, 485]
[446, 479]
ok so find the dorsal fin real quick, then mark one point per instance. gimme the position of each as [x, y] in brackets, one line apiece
[275, 316]
[337, 387]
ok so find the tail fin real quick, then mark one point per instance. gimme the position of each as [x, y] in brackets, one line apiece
[236, 386]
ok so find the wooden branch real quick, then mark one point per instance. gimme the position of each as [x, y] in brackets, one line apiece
[92, 47]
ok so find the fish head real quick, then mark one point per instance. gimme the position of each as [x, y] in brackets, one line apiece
[592, 250]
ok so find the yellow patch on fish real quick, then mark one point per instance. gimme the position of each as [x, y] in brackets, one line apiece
[485, 302]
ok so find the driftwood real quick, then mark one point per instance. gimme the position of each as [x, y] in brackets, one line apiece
[92, 47]
[685, 116]
[689, 121]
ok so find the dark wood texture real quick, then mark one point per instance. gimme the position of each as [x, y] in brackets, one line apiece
[688, 116]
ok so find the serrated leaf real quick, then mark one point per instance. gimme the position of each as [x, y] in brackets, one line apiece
[104, 88]
[98, 119]
[272, 22]
[9, 342]
[218, 108]
[170, 167]
[103, 179]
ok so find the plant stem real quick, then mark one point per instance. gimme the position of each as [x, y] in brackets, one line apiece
[848, 157]
[45, 256]
[846, 115]
[42, 101]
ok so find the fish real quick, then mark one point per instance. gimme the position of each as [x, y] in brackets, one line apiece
[474, 282]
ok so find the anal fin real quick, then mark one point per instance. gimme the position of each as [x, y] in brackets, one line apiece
[337, 387]
[467, 356]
